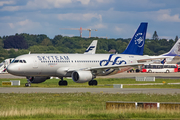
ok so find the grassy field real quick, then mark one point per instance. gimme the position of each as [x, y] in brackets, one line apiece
[35, 106]
[40, 106]
[102, 82]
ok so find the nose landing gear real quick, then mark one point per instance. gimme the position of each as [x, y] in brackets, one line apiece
[29, 82]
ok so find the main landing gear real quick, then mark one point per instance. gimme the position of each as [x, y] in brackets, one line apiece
[92, 82]
[63, 82]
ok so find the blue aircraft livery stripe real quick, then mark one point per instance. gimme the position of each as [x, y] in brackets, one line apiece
[114, 62]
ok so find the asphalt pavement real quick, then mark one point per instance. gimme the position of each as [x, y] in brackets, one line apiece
[97, 90]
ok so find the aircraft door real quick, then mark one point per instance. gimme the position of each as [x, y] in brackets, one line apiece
[35, 64]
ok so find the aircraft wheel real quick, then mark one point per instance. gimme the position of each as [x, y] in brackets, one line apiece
[94, 82]
[60, 82]
[27, 84]
[64, 82]
[90, 83]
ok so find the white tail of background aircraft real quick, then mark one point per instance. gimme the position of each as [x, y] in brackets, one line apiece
[92, 48]
[175, 50]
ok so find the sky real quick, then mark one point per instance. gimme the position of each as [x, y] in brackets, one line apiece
[111, 18]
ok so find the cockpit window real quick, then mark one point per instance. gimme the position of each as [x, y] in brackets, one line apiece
[12, 61]
[19, 61]
[16, 61]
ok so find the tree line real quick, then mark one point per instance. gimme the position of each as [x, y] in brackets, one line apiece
[26, 43]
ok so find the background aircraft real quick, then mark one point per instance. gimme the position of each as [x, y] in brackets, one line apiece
[174, 52]
[4, 64]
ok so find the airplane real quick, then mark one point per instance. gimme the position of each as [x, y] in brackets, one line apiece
[81, 67]
[4, 64]
[175, 51]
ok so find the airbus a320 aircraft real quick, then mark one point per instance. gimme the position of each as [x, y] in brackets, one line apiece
[81, 67]
[175, 51]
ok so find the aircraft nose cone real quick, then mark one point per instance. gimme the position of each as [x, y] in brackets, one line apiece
[11, 69]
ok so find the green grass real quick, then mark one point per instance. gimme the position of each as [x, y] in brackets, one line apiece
[40, 106]
[80, 106]
[102, 82]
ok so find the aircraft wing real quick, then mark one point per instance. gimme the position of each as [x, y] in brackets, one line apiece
[106, 67]
[153, 58]
[114, 66]
[122, 65]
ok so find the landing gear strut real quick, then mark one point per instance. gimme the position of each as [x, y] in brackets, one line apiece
[29, 83]
[63, 82]
[93, 82]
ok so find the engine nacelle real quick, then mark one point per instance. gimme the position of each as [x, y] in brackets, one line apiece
[37, 79]
[82, 76]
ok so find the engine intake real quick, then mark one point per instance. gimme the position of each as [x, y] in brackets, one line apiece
[82, 76]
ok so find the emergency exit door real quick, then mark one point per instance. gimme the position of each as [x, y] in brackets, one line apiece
[35, 65]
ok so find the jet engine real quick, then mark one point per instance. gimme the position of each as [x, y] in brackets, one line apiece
[82, 76]
[37, 79]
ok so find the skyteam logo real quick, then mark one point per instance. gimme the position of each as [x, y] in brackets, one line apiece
[139, 39]
[114, 62]
[90, 48]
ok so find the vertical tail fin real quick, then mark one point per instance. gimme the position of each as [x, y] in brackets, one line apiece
[136, 45]
[163, 61]
[175, 50]
[92, 48]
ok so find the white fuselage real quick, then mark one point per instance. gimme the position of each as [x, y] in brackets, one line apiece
[61, 65]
